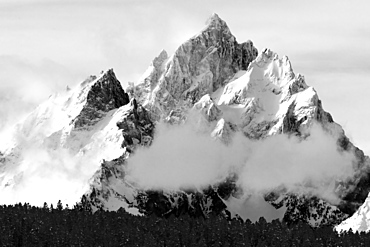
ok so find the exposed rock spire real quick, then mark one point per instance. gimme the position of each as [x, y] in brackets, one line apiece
[105, 94]
[215, 22]
[199, 66]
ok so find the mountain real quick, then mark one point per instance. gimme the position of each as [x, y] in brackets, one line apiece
[260, 97]
[249, 133]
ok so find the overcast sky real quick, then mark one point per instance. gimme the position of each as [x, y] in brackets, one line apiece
[47, 45]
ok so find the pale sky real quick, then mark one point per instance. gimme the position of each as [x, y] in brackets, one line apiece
[46, 45]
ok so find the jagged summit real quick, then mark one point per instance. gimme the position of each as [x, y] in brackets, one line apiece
[216, 30]
[108, 73]
[105, 94]
[108, 91]
[199, 66]
[158, 61]
[214, 17]
[215, 22]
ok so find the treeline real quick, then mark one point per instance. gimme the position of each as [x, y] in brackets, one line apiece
[25, 225]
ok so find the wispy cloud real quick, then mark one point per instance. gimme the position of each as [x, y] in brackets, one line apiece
[182, 157]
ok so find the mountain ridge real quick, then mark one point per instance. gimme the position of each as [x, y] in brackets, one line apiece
[226, 90]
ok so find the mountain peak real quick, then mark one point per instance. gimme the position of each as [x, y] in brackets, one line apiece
[200, 66]
[214, 21]
[163, 53]
[109, 73]
[108, 89]
[214, 18]
[104, 94]
[158, 61]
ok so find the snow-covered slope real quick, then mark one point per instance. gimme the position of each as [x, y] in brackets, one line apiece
[359, 221]
[68, 134]
[271, 96]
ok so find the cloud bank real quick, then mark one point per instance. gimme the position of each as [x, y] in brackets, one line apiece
[181, 157]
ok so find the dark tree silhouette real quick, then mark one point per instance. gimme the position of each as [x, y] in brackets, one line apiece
[24, 225]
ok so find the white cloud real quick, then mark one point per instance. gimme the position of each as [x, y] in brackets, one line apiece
[43, 174]
[182, 157]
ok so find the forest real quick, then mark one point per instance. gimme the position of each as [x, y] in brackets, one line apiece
[26, 225]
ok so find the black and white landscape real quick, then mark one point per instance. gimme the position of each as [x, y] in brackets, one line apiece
[217, 127]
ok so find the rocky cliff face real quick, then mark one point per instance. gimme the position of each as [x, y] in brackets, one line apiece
[109, 188]
[104, 95]
[199, 66]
